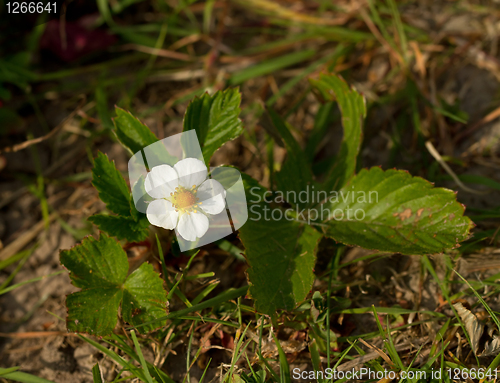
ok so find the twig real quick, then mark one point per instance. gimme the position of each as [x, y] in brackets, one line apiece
[16, 246]
[432, 150]
[348, 366]
[382, 354]
[159, 52]
[35, 334]
[37, 140]
[488, 118]
[373, 29]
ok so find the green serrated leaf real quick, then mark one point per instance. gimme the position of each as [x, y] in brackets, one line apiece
[132, 133]
[281, 255]
[134, 213]
[144, 299]
[96, 263]
[322, 122]
[215, 119]
[93, 311]
[122, 227]
[254, 191]
[395, 212]
[353, 108]
[295, 173]
[100, 268]
[112, 188]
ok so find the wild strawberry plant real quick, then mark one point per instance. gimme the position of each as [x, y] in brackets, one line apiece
[375, 209]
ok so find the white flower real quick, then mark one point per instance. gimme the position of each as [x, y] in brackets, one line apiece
[184, 197]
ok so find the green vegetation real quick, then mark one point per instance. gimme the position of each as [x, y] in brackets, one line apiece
[295, 95]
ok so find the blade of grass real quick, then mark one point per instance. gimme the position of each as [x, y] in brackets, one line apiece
[237, 354]
[103, 7]
[231, 249]
[333, 266]
[199, 276]
[375, 15]
[259, 350]
[172, 288]
[141, 76]
[141, 357]
[210, 320]
[374, 334]
[485, 305]
[124, 347]
[60, 74]
[14, 273]
[449, 114]
[96, 374]
[116, 358]
[493, 365]
[5, 371]
[188, 353]
[223, 297]
[204, 293]
[425, 260]
[270, 66]
[439, 337]
[344, 354]
[387, 310]
[394, 357]
[338, 52]
[207, 15]
[38, 189]
[13, 287]
[101, 100]
[179, 293]
[284, 367]
[315, 357]
[16, 257]
[22, 377]
[205, 371]
[162, 258]
[399, 28]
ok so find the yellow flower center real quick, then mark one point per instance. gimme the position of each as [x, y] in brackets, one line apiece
[184, 200]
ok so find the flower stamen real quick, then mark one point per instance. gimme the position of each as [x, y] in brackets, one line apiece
[184, 200]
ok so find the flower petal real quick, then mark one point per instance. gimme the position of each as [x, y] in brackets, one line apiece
[161, 213]
[191, 172]
[210, 188]
[214, 205]
[211, 195]
[192, 226]
[161, 181]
